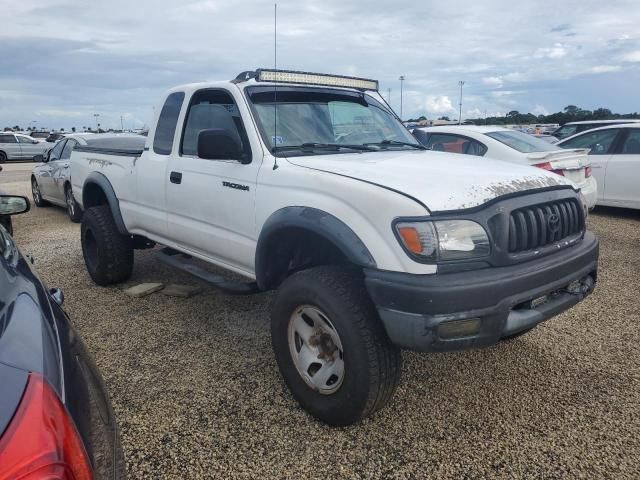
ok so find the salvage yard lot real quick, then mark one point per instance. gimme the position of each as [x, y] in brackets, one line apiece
[197, 392]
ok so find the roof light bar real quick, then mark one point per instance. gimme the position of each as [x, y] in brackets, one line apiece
[288, 76]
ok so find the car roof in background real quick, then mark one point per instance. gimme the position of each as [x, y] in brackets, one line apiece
[464, 128]
[605, 122]
[606, 127]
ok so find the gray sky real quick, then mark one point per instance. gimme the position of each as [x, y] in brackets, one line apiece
[63, 61]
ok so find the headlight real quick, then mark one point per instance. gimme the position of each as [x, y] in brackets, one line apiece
[444, 239]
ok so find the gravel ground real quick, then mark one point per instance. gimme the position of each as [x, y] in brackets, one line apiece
[198, 395]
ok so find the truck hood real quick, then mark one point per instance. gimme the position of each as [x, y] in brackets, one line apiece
[440, 181]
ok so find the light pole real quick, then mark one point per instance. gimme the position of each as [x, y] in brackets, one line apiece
[461, 83]
[401, 91]
[121, 124]
[96, 115]
[389, 96]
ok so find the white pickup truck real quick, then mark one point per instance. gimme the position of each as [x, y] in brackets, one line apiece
[309, 184]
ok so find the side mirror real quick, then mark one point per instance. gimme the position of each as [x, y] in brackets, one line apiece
[218, 144]
[34, 141]
[13, 205]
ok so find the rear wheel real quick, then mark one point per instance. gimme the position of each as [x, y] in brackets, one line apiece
[107, 253]
[73, 209]
[37, 195]
[331, 347]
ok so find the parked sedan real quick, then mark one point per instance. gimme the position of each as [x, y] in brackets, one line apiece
[615, 159]
[516, 147]
[56, 419]
[573, 128]
[15, 146]
[51, 181]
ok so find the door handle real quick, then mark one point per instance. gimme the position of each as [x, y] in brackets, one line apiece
[175, 177]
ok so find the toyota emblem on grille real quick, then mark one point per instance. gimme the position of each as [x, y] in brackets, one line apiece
[554, 222]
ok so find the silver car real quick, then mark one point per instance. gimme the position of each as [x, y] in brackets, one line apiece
[15, 146]
[51, 181]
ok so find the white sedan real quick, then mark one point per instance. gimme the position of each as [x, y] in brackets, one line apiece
[509, 145]
[615, 159]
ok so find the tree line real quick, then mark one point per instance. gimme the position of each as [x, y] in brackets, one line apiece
[570, 113]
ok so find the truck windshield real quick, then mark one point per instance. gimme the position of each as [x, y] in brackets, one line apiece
[319, 120]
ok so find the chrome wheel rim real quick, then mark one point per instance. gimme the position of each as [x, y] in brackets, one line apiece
[70, 203]
[35, 191]
[316, 349]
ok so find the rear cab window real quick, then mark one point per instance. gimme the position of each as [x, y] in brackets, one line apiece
[166, 125]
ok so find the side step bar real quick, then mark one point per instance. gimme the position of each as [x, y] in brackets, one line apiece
[182, 262]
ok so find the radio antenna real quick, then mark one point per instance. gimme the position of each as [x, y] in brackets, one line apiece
[275, 90]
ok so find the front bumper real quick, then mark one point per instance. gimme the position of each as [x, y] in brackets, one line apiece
[417, 310]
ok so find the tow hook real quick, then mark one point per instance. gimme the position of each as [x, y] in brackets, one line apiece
[581, 287]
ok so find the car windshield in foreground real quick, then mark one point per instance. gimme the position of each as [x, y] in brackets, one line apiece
[522, 142]
[324, 120]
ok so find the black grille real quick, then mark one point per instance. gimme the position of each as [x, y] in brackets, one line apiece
[539, 225]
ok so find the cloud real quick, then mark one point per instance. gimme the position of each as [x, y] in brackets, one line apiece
[557, 51]
[438, 104]
[632, 56]
[493, 81]
[605, 68]
[540, 110]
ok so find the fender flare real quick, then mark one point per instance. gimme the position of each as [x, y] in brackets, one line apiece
[101, 181]
[317, 221]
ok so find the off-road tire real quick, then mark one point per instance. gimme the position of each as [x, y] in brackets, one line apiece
[372, 365]
[73, 208]
[37, 194]
[107, 253]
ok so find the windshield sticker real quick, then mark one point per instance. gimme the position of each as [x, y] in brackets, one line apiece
[277, 140]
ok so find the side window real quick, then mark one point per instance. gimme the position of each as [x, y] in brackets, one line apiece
[56, 151]
[22, 139]
[167, 121]
[443, 142]
[68, 148]
[7, 139]
[598, 141]
[213, 109]
[632, 143]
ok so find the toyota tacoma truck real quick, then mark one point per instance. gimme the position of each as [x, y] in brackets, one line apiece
[309, 185]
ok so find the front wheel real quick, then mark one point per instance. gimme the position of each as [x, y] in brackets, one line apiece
[107, 253]
[3, 157]
[331, 347]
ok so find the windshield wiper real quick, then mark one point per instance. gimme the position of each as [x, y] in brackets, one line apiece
[385, 143]
[322, 146]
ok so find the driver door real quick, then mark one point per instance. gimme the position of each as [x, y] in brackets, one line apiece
[211, 203]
